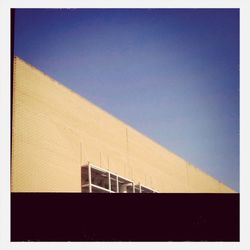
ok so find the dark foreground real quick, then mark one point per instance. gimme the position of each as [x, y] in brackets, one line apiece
[124, 217]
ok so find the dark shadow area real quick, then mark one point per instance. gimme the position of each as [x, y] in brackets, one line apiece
[124, 217]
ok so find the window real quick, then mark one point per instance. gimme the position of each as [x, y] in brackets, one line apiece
[97, 180]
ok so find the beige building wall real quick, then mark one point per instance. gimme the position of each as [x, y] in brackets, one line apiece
[55, 131]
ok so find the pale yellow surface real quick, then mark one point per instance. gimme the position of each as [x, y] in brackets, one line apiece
[55, 131]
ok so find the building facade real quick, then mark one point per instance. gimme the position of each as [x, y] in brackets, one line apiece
[63, 143]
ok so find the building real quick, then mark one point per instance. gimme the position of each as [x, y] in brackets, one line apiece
[63, 143]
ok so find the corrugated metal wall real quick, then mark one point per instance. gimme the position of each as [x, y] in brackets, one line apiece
[55, 131]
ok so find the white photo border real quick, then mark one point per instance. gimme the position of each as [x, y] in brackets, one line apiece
[5, 108]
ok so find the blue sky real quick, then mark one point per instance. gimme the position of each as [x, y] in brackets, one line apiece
[172, 74]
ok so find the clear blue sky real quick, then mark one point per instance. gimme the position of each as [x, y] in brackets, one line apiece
[171, 74]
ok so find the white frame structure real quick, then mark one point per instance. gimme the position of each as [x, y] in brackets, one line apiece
[98, 180]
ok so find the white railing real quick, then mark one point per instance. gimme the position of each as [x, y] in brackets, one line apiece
[99, 180]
